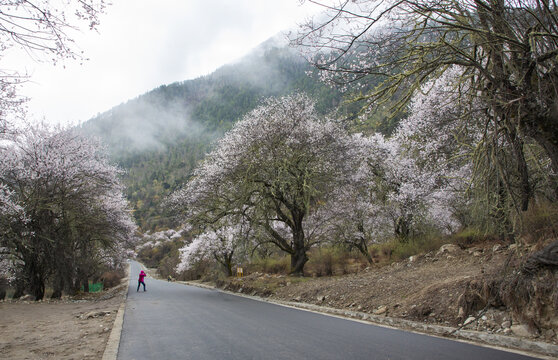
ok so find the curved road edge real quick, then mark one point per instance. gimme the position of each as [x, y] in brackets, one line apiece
[111, 349]
[507, 343]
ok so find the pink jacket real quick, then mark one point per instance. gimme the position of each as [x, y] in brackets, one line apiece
[141, 276]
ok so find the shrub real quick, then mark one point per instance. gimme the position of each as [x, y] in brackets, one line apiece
[277, 264]
[167, 266]
[469, 237]
[418, 246]
[322, 262]
[395, 250]
[111, 278]
[214, 274]
[540, 222]
[196, 272]
[329, 261]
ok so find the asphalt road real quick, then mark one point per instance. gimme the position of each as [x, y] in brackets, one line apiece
[174, 321]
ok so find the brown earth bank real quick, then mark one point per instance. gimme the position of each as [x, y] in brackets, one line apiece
[70, 328]
[478, 288]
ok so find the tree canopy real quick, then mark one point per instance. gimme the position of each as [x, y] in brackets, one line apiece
[506, 53]
[43, 30]
[63, 211]
[273, 168]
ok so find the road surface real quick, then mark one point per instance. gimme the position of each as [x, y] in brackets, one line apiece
[175, 321]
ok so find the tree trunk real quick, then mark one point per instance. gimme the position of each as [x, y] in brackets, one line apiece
[75, 286]
[228, 263]
[58, 287]
[85, 282]
[37, 287]
[19, 289]
[549, 142]
[56, 294]
[501, 214]
[228, 269]
[298, 256]
[522, 169]
[298, 260]
[361, 244]
[402, 228]
[363, 248]
[544, 129]
[225, 259]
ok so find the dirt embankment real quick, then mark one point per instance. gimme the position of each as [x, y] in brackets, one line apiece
[70, 328]
[461, 288]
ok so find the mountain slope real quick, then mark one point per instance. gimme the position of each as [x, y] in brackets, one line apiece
[159, 137]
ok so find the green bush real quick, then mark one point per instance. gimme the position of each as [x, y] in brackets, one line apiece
[415, 246]
[94, 287]
[468, 237]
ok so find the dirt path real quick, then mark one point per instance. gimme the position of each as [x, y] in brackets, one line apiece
[61, 329]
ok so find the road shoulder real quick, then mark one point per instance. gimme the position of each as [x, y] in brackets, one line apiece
[111, 348]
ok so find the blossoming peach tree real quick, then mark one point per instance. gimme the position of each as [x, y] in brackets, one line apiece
[63, 213]
[300, 181]
[227, 243]
[503, 53]
[274, 168]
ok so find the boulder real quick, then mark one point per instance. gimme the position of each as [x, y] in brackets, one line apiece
[475, 251]
[469, 320]
[547, 257]
[449, 248]
[521, 330]
[380, 310]
[92, 314]
[497, 248]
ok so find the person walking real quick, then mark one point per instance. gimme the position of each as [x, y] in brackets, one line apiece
[141, 281]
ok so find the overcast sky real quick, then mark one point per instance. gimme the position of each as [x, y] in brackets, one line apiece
[142, 44]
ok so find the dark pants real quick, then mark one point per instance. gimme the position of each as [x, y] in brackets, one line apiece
[141, 283]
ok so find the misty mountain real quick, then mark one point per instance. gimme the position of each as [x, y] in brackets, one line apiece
[160, 136]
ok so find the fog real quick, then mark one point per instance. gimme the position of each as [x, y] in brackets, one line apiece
[143, 124]
[166, 115]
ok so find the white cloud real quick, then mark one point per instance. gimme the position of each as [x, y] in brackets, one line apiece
[142, 44]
